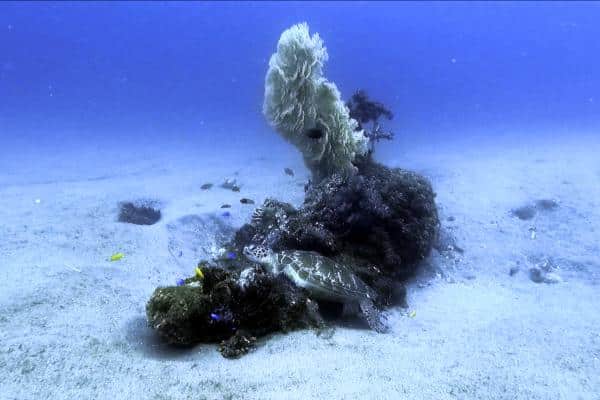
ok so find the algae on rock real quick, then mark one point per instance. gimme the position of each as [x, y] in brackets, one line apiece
[222, 307]
[300, 101]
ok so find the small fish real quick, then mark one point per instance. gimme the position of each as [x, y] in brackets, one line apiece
[412, 314]
[226, 214]
[235, 188]
[199, 273]
[231, 255]
[117, 256]
[215, 317]
[206, 186]
[288, 171]
[226, 206]
[246, 201]
[314, 133]
[180, 282]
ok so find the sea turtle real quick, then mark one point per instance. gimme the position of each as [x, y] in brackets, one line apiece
[322, 277]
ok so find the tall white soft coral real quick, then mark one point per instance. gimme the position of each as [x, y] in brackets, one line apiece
[299, 99]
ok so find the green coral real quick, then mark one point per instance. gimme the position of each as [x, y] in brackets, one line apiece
[174, 312]
[215, 308]
[298, 98]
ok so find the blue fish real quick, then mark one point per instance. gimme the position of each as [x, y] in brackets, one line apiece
[215, 317]
[180, 282]
[226, 214]
[231, 255]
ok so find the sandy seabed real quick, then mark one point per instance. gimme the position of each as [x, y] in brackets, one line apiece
[72, 323]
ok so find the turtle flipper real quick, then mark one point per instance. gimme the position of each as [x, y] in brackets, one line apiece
[372, 316]
[322, 329]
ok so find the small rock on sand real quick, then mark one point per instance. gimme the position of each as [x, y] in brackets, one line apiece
[529, 211]
[537, 275]
[546, 204]
[231, 184]
[524, 212]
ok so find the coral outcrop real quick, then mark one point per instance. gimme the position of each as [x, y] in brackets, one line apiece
[229, 307]
[377, 221]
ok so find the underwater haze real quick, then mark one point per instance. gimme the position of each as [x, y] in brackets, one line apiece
[102, 104]
[149, 68]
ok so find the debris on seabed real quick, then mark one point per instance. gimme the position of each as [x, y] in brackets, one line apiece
[117, 257]
[533, 233]
[73, 268]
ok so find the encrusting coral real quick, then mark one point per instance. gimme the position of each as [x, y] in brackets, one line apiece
[223, 307]
[307, 109]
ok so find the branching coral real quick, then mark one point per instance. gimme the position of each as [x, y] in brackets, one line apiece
[366, 111]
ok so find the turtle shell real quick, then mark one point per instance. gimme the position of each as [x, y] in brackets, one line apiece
[323, 277]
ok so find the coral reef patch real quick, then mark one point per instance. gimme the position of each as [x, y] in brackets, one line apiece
[139, 213]
[379, 223]
[360, 222]
[380, 216]
[219, 306]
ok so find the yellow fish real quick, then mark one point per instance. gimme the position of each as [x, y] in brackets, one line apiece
[117, 256]
[199, 273]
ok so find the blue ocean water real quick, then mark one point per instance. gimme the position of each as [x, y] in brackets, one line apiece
[153, 68]
[107, 105]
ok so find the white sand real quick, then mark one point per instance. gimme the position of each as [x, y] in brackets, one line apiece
[72, 324]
